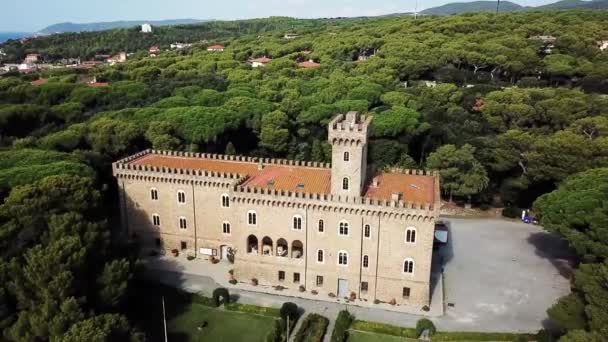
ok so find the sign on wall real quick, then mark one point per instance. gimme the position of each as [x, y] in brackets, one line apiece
[208, 251]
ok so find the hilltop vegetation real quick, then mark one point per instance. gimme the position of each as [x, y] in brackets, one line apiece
[506, 123]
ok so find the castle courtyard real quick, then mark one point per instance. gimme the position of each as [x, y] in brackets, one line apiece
[498, 276]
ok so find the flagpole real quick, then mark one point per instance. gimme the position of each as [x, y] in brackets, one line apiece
[164, 318]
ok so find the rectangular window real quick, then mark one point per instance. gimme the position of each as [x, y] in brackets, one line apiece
[156, 220]
[281, 275]
[181, 197]
[226, 228]
[182, 223]
[406, 292]
[296, 278]
[225, 201]
[184, 245]
[154, 194]
[364, 286]
[319, 281]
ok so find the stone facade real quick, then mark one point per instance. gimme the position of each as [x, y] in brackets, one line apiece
[366, 239]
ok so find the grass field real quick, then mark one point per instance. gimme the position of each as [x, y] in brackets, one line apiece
[364, 336]
[222, 325]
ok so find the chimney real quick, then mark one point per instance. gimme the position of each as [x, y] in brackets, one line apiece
[375, 182]
[397, 196]
[260, 165]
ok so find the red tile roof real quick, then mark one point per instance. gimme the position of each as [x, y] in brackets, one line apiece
[262, 60]
[38, 82]
[98, 84]
[216, 47]
[309, 64]
[413, 188]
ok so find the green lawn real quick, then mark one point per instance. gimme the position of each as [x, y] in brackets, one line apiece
[364, 336]
[222, 325]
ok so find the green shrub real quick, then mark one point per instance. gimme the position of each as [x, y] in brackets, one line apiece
[511, 212]
[222, 293]
[254, 309]
[312, 329]
[425, 324]
[289, 309]
[385, 329]
[198, 299]
[481, 336]
[343, 322]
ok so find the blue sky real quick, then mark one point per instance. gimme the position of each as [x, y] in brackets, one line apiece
[33, 15]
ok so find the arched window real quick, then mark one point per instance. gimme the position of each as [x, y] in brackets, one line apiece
[346, 156]
[182, 223]
[367, 231]
[252, 218]
[225, 201]
[181, 197]
[343, 228]
[343, 258]
[408, 266]
[297, 222]
[321, 226]
[320, 256]
[252, 244]
[410, 235]
[344, 183]
[154, 194]
[365, 261]
[226, 228]
[156, 220]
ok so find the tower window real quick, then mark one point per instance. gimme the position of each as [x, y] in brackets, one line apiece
[182, 223]
[320, 256]
[364, 286]
[252, 218]
[344, 183]
[346, 156]
[297, 222]
[365, 261]
[343, 228]
[154, 194]
[410, 235]
[406, 292]
[225, 201]
[156, 220]
[181, 197]
[343, 258]
[321, 226]
[408, 266]
[319, 281]
[226, 228]
[367, 231]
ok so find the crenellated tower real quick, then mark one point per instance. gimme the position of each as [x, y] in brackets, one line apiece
[348, 136]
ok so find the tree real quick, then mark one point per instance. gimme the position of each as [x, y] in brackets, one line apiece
[461, 174]
[102, 328]
[577, 211]
[275, 135]
[569, 313]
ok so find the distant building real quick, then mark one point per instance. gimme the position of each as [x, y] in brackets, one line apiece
[146, 28]
[309, 64]
[260, 62]
[2, 53]
[216, 48]
[602, 45]
[291, 35]
[154, 51]
[548, 43]
[180, 46]
[120, 58]
[32, 58]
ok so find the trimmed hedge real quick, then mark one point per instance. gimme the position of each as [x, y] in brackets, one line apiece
[253, 309]
[385, 329]
[425, 324]
[313, 329]
[481, 336]
[343, 322]
[289, 309]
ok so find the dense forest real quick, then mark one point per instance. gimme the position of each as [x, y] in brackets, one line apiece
[477, 97]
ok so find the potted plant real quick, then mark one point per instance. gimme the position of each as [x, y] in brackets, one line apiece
[353, 296]
[175, 252]
[254, 282]
[232, 281]
[331, 295]
[376, 301]
[302, 288]
[393, 301]
[231, 275]
[314, 292]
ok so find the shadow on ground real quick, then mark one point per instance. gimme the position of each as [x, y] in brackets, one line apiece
[555, 249]
[442, 255]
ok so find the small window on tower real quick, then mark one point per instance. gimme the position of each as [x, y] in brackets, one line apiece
[345, 183]
[346, 156]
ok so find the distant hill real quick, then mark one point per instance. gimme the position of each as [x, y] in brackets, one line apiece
[101, 26]
[475, 6]
[507, 6]
[4, 36]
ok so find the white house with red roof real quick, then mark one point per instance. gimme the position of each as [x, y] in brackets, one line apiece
[260, 62]
[216, 48]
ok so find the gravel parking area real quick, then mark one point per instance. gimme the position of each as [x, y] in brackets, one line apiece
[501, 275]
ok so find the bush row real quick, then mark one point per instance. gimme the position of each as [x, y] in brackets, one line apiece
[313, 329]
[482, 336]
[343, 322]
[253, 309]
[386, 329]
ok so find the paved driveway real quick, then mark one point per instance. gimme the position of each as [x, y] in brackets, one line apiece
[502, 275]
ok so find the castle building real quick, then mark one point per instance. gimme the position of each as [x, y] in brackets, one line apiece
[341, 230]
